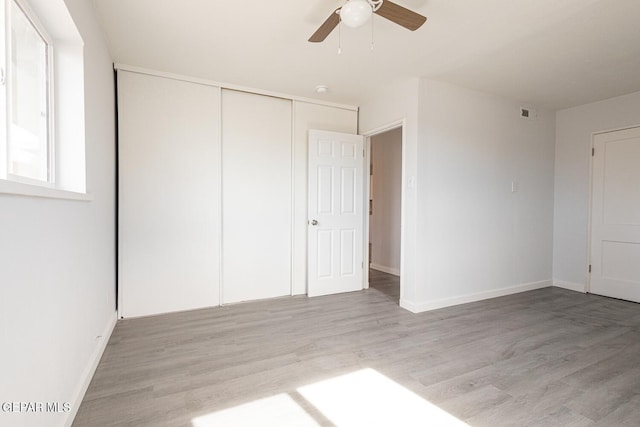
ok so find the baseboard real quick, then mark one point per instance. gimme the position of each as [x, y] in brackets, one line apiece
[87, 375]
[464, 299]
[577, 287]
[385, 269]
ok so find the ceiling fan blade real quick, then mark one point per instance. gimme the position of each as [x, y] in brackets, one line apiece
[401, 15]
[325, 29]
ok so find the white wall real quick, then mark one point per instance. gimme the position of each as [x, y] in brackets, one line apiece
[477, 238]
[574, 128]
[466, 235]
[57, 262]
[384, 225]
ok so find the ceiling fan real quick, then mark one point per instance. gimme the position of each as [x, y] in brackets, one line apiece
[355, 13]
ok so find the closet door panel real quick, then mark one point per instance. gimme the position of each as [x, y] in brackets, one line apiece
[256, 196]
[169, 182]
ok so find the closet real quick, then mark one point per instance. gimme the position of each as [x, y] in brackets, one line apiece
[212, 191]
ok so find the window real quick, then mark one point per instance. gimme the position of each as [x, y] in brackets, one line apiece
[26, 74]
[42, 151]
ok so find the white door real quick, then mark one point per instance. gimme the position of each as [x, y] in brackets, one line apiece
[168, 195]
[336, 221]
[256, 197]
[615, 217]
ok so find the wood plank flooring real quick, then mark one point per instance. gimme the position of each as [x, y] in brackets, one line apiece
[549, 357]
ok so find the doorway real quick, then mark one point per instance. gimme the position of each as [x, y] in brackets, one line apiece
[385, 211]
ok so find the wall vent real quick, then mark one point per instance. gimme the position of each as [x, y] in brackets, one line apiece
[527, 113]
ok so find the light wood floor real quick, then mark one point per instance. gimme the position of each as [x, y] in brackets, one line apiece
[548, 357]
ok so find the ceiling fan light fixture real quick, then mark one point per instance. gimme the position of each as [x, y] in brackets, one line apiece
[356, 13]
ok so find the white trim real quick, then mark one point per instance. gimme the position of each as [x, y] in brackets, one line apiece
[419, 307]
[577, 287]
[385, 128]
[600, 132]
[51, 116]
[29, 181]
[385, 269]
[4, 90]
[118, 195]
[366, 256]
[590, 156]
[90, 370]
[220, 187]
[207, 82]
[35, 21]
[292, 200]
[20, 189]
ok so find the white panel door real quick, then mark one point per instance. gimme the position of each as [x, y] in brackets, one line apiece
[309, 116]
[169, 181]
[256, 196]
[336, 220]
[615, 217]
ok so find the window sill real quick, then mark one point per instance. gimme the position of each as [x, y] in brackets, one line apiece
[28, 190]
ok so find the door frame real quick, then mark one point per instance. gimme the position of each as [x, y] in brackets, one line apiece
[590, 213]
[402, 124]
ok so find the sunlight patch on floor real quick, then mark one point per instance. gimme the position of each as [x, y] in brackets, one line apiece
[362, 398]
[278, 410]
[368, 398]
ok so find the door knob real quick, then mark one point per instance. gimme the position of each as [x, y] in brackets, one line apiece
[314, 222]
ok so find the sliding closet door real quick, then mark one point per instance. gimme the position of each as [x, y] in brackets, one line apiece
[168, 194]
[256, 194]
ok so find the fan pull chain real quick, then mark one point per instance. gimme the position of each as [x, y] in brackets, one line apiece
[340, 36]
[372, 32]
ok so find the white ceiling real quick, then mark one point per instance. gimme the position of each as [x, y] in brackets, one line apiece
[548, 53]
